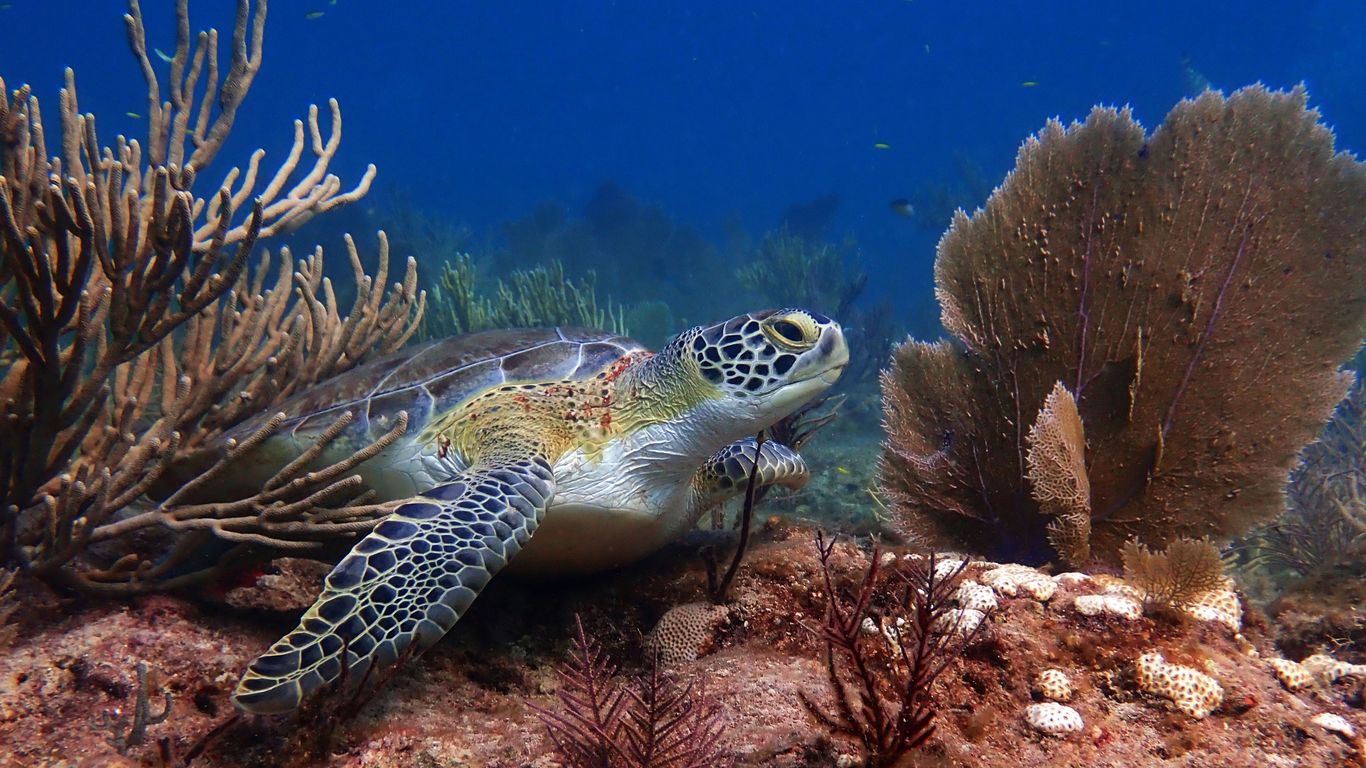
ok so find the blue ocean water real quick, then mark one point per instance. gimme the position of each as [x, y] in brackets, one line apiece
[716, 112]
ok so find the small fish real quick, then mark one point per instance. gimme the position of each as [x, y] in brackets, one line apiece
[6, 6]
[1192, 79]
[163, 55]
[313, 15]
[927, 47]
[903, 208]
[133, 115]
[881, 145]
[1029, 84]
[842, 470]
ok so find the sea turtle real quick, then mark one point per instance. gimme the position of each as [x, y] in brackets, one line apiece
[602, 449]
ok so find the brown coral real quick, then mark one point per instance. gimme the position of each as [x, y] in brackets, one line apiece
[1195, 289]
[685, 631]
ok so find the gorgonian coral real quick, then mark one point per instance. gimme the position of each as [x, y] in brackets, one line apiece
[1194, 290]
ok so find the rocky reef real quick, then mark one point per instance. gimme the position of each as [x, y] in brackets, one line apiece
[1046, 682]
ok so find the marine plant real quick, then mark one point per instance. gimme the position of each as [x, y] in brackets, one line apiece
[529, 298]
[789, 270]
[137, 330]
[885, 648]
[1186, 296]
[653, 720]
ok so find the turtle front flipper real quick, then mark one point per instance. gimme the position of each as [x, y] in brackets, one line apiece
[405, 583]
[727, 472]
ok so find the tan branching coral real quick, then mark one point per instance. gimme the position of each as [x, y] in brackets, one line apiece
[137, 332]
[1057, 475]
[1195, 289]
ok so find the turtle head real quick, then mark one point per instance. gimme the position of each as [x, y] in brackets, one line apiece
[761, 366]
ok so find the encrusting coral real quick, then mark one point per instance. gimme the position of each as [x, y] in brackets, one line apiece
[684, 631]
[1053, 718]
[138, 330]
[1190, 690]
[1194, 290]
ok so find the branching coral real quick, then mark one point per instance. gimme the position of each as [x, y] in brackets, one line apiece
[1195, 290]
[653, 721]
[894, 638]
[138, 332]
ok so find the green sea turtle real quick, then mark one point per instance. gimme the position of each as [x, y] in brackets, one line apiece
[601, 449]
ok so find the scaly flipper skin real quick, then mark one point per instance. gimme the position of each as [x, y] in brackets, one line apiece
[405, 583]
[726, 473]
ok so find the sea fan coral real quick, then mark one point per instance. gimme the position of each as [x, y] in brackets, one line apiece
[1057, 474]
[653, 721]
[1194, 290]
[1185, 570]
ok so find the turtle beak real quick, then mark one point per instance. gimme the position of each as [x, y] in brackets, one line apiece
[825, 361]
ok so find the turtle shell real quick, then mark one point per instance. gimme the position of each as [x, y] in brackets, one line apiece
[436, 376]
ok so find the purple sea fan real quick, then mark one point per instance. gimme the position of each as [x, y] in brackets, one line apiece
[653, 720]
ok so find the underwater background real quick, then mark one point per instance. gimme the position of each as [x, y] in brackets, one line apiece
[1109, 462]
[717, 117]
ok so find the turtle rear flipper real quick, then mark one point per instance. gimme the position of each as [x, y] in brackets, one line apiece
[405, 583]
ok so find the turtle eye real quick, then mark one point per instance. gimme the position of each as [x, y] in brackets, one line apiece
[788, 332]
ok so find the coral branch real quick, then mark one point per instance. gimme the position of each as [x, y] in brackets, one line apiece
[134, 331]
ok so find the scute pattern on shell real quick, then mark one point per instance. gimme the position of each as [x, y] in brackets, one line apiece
[432, 378]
